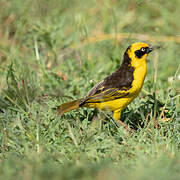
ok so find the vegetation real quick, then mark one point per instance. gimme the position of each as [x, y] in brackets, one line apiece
[55, 51]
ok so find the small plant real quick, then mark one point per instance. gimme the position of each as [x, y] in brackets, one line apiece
[22, 88]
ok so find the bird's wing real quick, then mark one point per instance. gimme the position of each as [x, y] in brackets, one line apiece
[100, 93]
[115, 86]
[107, 95]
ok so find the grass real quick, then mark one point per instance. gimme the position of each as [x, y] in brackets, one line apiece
[55, 51]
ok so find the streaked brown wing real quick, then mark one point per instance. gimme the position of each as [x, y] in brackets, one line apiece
[100, 93]
[104, 96]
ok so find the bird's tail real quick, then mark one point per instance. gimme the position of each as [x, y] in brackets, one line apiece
[69, 106]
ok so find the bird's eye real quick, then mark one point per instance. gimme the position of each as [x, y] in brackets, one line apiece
[139, 53]
[143, 49]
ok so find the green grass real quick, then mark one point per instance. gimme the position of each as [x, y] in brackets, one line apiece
[43, 63]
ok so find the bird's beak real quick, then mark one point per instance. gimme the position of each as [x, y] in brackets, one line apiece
[151, 48]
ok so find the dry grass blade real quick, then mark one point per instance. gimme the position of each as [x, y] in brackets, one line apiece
[120, 36]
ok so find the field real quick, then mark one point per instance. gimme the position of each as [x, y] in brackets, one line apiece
[55, 51]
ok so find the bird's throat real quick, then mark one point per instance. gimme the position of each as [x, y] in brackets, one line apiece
[139, 75]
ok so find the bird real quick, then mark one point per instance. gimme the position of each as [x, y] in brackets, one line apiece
[118, 90]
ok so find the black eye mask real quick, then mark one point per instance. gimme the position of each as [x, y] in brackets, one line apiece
[144, 50]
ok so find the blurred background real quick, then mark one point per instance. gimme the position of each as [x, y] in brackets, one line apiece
[52, 51]
[87, 33]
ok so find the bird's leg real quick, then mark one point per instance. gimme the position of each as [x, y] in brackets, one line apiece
[117, 117]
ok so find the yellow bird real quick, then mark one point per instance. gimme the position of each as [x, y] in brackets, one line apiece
[119, 89]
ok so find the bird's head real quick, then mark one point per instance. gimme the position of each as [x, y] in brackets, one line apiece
[137, 54]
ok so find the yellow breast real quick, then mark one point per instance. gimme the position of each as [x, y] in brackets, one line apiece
[139, 76]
